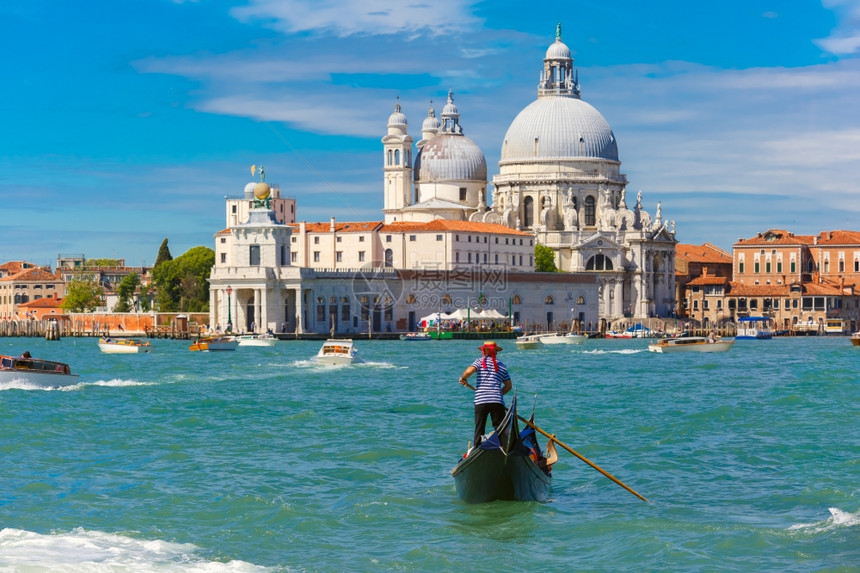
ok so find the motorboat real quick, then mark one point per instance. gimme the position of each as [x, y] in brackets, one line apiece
[529, 341]
[124, 345]
[35, 371]
[214, 343]
[855, 339]
[257, 339]
[636, 331]
[755, 328]
[506, 465]
[415, 336]
[691, 344]
[337, 351]
[561, 338]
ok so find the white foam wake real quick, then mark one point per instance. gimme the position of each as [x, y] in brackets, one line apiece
[838, 518]
[94, 551]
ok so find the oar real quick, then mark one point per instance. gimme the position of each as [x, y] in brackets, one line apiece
[575, 453]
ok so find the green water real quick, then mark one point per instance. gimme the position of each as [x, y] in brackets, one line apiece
[260, 459]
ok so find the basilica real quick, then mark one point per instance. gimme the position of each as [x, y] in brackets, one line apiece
[449, 239]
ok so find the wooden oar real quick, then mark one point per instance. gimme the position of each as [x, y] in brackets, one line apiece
[574, 452]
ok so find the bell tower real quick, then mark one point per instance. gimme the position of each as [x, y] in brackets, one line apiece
[397, 166]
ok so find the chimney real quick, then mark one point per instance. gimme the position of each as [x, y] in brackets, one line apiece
[332, 225]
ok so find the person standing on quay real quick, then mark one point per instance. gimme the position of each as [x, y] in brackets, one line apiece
[493, 382]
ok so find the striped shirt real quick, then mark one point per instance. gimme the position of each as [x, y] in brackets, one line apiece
[488, 387]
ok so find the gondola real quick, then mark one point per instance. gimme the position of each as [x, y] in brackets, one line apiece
[506, 465]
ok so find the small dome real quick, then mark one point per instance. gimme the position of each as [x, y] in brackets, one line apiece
[558, 50]
[249, 190]
[450, 157]
[397, 118]
[261, 191]
[431, 122]
[559, 128]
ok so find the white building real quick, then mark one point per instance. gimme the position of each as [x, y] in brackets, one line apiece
[559, 178]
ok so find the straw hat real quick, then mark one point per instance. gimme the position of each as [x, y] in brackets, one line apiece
[490, 345]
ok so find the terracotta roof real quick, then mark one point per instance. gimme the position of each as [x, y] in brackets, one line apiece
[839, 238]
[12, 267]
[452, 225]
[344, 227]
[821, 289]
[42, 303]
[706, 280]
[776, 237]
[741, 289]
[32, 275]
[706, 253]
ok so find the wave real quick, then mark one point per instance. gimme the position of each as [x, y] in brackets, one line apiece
[95, 551]
[119, 383]
[621, 351]
[838, 518]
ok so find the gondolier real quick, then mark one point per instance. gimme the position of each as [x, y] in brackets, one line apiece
[493, 382]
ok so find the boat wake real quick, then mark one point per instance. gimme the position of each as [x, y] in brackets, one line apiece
[620, 351]
[81, 550]
[21, 385]
[837, 519]
[116, 382]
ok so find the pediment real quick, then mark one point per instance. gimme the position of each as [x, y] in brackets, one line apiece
[600, 242]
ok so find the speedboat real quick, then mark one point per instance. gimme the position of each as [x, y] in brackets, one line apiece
[35, 371]
[855, 339]
[638, 330]
[257, 339]
[213, 343]
[560, 338]
[755, 328]
[415, 336]
[691, 344]
[124, 345]
[337, 351]
[529, 341]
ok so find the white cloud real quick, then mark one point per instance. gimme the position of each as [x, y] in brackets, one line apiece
[845, 39]
[346, 18]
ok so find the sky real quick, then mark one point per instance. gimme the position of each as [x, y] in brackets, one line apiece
[128, 122]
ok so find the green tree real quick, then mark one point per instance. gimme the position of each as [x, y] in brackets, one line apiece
[544, 259]
[125, 292]
[163, 254]
[82, 295]
[182, 284]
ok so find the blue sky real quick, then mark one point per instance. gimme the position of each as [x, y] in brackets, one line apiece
[127, 122]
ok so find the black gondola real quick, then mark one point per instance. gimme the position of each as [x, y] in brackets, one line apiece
[506, 465]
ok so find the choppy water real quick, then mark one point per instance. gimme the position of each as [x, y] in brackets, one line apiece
[260, 459]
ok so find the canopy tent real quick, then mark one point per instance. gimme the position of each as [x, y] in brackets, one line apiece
[462, 314]
[434, 318]
[489, 314]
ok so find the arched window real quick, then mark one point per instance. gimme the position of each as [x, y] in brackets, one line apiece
[410, 298]
[446, 299]
[332, 300]
[515, 299]
[390, 156]
[599, 263]
[396, 157]
[389, 258]
[528, 212]
[580, 300]
[548, 299]
[589, 211]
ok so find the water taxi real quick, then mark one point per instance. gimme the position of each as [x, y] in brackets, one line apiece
[636, 331]
[561, 338]
[529, 341]
[257, 339]
[691, 344]
[124, 345]
[415, 336]
[337, 351]
[855, 339]
[213, 343]
[754, 328]
[35, 371]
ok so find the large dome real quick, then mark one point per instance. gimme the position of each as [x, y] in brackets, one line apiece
[559, 128]
[450, 157]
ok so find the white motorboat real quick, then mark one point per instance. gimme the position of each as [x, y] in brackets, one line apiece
[529, 341]
[35, 371]
[561, 338]
[213, 343]
[337, 351]
[691, 344]
[415, 336]
[755, 328]
[124, 345]
[257, 340]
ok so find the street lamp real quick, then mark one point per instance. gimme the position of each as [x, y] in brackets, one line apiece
[229, 310]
